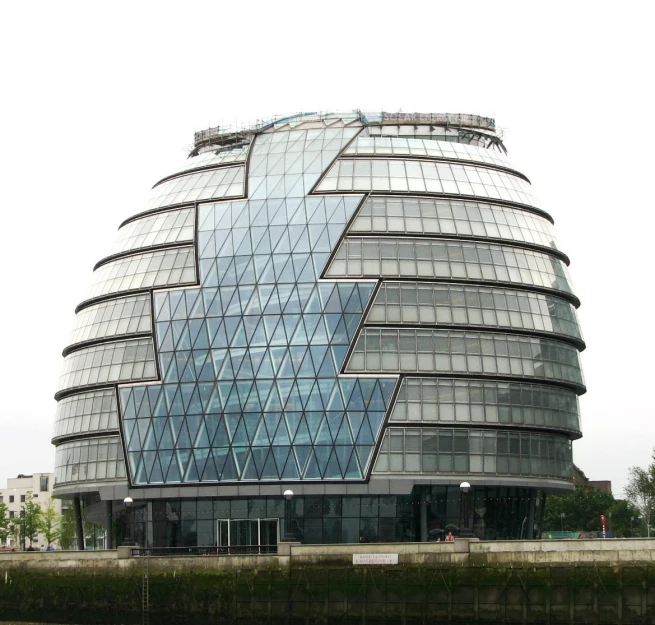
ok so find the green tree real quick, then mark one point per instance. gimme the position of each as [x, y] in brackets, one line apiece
[624, 519]
[50, 523]
[640, 491]
[15, 532]
[577, 511]
[30, 519]
[4, 523]
[67, 531]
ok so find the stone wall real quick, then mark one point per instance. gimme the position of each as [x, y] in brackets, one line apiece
[610, 581]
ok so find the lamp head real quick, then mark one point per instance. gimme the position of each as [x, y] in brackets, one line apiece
[288, 495]
[465, 487]
[128, 501]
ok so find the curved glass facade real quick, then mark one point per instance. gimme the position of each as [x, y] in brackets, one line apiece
[393, 257]
[112, 318]
[456, 305]
[362, 309]
[397, 146]
[412, 176]
[447, 218]
[159, 229]
[89, 460]
[118, 361]
[472, 353]
[90, 412]
[443, 400]
[428, 451]
[144, 271]
[205, 185]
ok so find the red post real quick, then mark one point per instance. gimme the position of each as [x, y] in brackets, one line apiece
[603, 523]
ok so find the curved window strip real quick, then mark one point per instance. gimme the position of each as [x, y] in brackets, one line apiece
[116, 317]
[414, 176]
[451, 260]
[213, 158]
[456, 305]
[227, 182]
[120, 361]
[441, 451]
[472, 353]
[456, 218]
[430, 148]
[94, 411]
[159, 229]
[148, 270]
[89, 459]
[432, 133]
[443, 401]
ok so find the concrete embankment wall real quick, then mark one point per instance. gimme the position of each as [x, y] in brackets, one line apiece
[610, 581]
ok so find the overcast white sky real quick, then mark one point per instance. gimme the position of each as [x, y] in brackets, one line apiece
[100, 100]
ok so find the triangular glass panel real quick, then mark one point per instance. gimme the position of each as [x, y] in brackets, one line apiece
[312, 470]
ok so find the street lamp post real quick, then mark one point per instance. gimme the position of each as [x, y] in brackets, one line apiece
[127, 502]
[561, 518]
[288, 534]
[632, 532]
[466, 530]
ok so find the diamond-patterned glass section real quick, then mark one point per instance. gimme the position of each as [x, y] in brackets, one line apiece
[250, 358]
[145, 271]
[160, 229]
[115, 317]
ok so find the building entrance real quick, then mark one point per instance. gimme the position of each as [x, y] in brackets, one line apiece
[247, 535]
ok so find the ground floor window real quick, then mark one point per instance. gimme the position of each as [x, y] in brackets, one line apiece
[428, 513]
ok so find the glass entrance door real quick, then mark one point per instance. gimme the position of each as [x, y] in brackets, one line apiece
[247, 535]
[268, 535]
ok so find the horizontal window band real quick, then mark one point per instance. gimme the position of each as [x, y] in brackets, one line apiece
[578, 344]
[172, 207]
[111, 339]
[441, 159]
[455, 237]
[569, 297]
[96, 387]
[570, 434]
[156, 211]
[199, 169]
[110, 296]
[93, 434]
[141, 250]
[448, 196]
[578, 389]
[84, 389]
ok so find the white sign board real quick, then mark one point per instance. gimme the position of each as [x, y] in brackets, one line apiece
[375, 558]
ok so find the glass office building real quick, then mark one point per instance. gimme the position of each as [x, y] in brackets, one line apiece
[368, 310]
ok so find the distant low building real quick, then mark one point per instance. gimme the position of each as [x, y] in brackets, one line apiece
[17, 491]
[580, 479]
